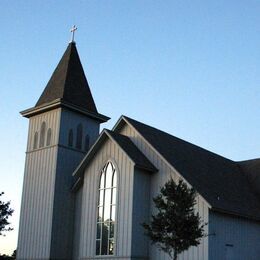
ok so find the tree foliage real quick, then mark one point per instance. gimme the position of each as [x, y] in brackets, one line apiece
[176, 226]
[5, 213]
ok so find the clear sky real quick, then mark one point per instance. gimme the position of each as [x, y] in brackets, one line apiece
[191, 68]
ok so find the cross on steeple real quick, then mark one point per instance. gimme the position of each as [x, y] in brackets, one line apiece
[72, 30]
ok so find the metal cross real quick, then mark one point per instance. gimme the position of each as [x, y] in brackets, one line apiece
[72, 30]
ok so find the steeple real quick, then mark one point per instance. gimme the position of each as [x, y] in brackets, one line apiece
[68, 82]
[68, 86]
[63, 125]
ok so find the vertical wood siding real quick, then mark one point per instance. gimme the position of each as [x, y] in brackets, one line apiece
[46, 222]
[157, 180]
[38, 192]
[140, 214]
[70, 120]
[123, 229]
[67, 161]
[233, 238]
[77, 223]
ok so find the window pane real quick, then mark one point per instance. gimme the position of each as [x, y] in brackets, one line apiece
[98, 247]
[106, 211]
[109, 175]
[102, 181]
[98, 230]
[107, 204]
[113, 213]
[104, 243]
[100, 214]
[111, 229]
[114, 179]
[111, 246]
[101, 197]
[114, 196]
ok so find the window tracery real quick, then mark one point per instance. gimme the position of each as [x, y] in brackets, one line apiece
[105, 237]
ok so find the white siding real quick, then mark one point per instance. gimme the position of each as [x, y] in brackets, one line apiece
[38, 192]
[141, 213]
[70, 120]
[77, 223]
[46, 222]
[108, 151]
[157, 180]
[233, 238]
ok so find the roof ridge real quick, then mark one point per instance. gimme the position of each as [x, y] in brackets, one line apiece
[66, 73]
[68, 82]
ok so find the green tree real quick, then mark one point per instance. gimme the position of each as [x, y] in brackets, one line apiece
[176, 226]
[5, 213]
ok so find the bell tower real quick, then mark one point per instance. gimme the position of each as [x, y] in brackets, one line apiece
[62, 125]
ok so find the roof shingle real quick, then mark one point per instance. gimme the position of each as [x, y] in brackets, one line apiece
[132, 151]
[68, 83]
[220, 181]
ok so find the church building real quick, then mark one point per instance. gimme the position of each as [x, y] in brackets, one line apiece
[86, 193]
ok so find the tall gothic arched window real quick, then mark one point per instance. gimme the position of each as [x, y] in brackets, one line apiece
[35, 140]
[79, 136]
[48, 142]
[70, 138]
[105, 237]
[42, 134]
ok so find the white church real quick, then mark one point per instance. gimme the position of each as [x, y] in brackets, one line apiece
[85, 193]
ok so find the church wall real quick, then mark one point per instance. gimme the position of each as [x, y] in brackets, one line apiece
[38, 191]
[68, 159]
[47, 220]
[233, 238]
[52, 120]
[70, 120]
[141, 210]
[63, 208]
[157, 180]
[123, 229]
[77, 223]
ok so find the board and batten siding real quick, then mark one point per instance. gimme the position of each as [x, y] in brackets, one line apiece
[68, 159]
[166, 171]
[233, 238]
[123, 228]
[70, 120]
[77, 223]
[34, 238]
[141, 213]
[47, 208]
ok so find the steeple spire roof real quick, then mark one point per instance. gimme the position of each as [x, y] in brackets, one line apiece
[68, 83]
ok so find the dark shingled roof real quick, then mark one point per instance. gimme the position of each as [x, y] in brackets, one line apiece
[125, 143]
[252, 170]
[222, 182]
[68, 83]
[132, 151]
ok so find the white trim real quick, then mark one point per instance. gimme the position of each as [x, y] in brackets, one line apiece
[113, 162]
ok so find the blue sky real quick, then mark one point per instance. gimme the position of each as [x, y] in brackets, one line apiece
[191, 68]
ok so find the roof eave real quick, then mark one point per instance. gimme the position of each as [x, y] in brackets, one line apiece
[227, 212]
[60, 103]
[77, 174]
[150, 169]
